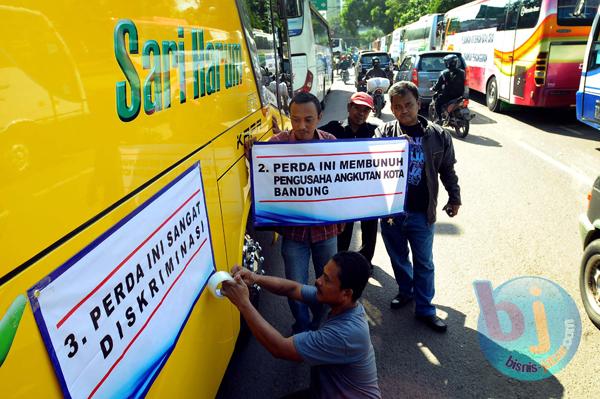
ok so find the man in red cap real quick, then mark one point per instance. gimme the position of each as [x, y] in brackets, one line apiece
[356, 126]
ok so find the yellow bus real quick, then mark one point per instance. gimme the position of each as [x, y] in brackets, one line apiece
[111, 113]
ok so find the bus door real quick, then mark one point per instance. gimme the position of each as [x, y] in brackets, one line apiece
[506, 40]
[588, 104]
[524, 60]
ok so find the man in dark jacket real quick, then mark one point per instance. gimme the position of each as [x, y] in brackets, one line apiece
[356, 126]
[451, 83]
[431, 154]
[376, 71]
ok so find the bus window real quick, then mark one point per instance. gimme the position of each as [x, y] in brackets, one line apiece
[529, 14]
[494, 14]
[259, 34]
[453, 26]
[293, 8]
[594, 57]
[512, 15]
[577, 12]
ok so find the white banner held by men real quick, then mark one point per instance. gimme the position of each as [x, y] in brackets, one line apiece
[325, 182]
[111, 315]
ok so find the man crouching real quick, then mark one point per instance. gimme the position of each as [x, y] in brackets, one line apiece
[340, 351]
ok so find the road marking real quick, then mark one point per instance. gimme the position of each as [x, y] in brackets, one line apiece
[557, 164]
[428, 354]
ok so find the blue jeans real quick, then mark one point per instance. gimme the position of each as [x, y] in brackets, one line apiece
[414, 279]
[296, 256]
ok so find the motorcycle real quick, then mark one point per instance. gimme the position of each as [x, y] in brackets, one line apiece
[455, 114]
[345, 75]
[377, 87]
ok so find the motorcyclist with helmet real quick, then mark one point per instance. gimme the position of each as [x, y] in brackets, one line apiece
[376, 71]
[344, 62]
[451, 83]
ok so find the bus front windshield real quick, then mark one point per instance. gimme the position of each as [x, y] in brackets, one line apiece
[577, 12]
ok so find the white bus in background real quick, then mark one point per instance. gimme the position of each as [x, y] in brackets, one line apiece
[424, 34]
[310, 48]
[522, 52]
[396, 49]
[264, 47]
[383, 43]
[338, 46]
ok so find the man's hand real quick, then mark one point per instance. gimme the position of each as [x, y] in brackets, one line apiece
[247, 276]
[248, 143]
[236, 291]
[451, 210]
[275, 125]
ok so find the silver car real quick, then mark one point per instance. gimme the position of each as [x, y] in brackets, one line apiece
[424, 69]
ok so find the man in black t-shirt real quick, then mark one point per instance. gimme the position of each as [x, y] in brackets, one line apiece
[431, 154]
[356, 127]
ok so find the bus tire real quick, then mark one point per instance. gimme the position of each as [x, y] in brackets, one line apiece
[588, 281]
[253, 260]
[491, 96]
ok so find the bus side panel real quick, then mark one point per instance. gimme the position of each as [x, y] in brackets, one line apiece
[588, 105]
[67, 140]
[73, 158]
[206, 342]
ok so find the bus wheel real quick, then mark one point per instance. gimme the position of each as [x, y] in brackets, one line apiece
[589, 281]
[491, 96]
[252, 260]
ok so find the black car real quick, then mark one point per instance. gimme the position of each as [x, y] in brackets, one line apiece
[589, 277]
[365, 62]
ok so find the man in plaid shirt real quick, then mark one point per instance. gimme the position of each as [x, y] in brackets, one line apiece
[299, 242]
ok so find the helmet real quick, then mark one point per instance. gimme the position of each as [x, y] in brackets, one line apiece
[375, 61]
[451, 61]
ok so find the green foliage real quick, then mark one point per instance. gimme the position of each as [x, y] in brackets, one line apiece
[368, 15]
[404, 12]
[368, 36]
[443, 6]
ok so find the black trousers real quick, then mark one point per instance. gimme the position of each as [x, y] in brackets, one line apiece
[369, 238]
[441, 101]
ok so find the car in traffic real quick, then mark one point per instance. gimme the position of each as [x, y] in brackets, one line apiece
[424, 69]
[589, 274]
[365, 62]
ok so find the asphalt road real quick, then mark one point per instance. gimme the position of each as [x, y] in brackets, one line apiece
[524, 177]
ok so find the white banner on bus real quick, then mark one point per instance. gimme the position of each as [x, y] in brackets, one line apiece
[325, 182]
[111, 315]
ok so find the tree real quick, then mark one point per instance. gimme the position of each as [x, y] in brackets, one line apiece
[368, 36]
[443, 6]
[364, 14]
[404, 12]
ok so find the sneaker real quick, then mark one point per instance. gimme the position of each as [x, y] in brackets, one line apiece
[400, 300]
[433, 322]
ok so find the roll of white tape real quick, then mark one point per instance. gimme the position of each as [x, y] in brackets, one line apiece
[215, 281]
